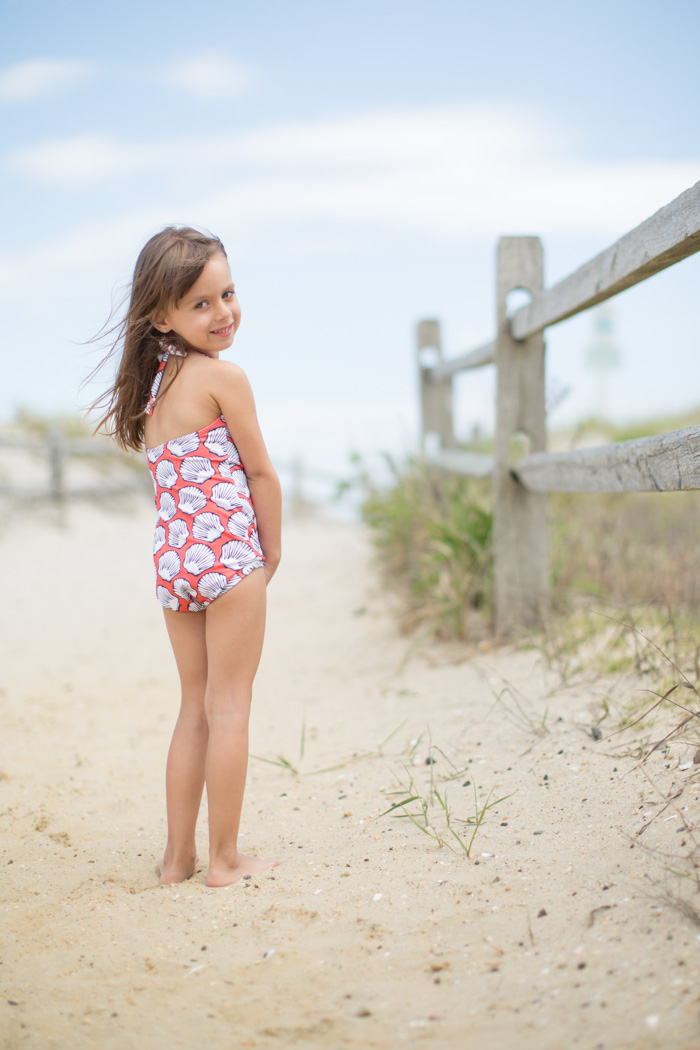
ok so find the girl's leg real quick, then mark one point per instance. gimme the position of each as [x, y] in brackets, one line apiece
[184, 776]
[235, 625]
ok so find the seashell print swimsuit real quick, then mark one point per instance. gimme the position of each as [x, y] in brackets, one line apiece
[206, 536]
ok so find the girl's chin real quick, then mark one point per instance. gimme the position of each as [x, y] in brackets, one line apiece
[215, 346]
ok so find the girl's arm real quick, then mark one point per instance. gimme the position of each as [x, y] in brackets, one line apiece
[235, 398]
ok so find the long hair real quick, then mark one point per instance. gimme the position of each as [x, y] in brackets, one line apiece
[167, 267]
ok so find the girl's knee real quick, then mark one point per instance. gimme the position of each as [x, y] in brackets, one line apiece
[192, 705]
[228, 705]
[194, 718]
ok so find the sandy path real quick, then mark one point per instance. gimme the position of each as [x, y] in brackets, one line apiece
[366, 935]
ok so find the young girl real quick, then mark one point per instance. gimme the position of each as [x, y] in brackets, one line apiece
[217, 536]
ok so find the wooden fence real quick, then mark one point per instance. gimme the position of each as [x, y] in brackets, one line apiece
[655, 464]
[56, 449]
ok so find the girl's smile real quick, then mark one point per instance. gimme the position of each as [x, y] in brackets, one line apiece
[223, 331]
[209, 313]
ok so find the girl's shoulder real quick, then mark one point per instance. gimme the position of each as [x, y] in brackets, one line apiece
[221, 383]
[213, 366]
[221, 373]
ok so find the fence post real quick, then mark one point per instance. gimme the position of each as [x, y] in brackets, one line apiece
[296, 499]
[521, 561]
[435, 398]
[54, 440]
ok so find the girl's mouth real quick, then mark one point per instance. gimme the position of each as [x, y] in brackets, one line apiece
[223, 331]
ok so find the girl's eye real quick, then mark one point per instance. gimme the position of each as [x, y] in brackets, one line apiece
[198, 306]
[228, 295]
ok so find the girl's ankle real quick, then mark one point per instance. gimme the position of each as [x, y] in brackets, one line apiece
[179, 857]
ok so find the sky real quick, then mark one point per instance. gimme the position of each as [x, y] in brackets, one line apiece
[359, 161]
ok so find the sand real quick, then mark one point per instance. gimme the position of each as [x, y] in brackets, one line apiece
[551, 934]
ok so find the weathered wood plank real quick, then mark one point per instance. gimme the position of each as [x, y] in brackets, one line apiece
[71, 446]
[471, 464]
[109, 489]
[95, 447]
[665, 463]
[29, 444]
[483, 355]
[671, 234]
[521, 560]
[435, 397]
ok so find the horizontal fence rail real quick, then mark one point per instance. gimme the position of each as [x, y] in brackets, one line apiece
[471, 464]
[57, 449]
[669, 462]
[670, 235]
[666, 463]
[70, 446]
[483, 355]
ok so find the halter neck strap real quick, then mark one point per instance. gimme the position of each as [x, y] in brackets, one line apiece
[163, 356]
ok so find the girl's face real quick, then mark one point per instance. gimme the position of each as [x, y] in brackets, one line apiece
[208, 315]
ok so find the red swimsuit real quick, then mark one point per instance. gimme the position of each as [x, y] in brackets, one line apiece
[206, 537]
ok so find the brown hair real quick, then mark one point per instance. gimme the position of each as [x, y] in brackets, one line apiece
[167, 267]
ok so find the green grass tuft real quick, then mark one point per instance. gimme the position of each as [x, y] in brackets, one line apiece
[433, 535]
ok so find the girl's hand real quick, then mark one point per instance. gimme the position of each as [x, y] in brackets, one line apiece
[269, 572]
[235, 399]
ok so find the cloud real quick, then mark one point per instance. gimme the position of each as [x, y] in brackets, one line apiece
[325, 187]
[211, 77]
[41, 77]
[82, 160]
[451, 172]
[445, 137]
[429, 135]
[460, 203]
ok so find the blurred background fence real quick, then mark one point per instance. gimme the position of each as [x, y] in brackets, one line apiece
[54, 460]
[57, 451]
[522, 469]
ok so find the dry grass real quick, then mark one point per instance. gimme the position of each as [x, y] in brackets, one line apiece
[629, 550]
[632, 557]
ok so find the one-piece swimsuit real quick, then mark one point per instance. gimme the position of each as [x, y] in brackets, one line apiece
[206, 536]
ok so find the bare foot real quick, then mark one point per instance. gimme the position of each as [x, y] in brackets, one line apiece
[170, 873]
[226, 874]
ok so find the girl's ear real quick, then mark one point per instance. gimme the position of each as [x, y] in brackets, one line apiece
[160, 324]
